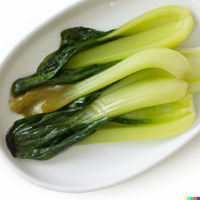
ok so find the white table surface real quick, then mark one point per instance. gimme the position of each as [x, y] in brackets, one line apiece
[175, 178]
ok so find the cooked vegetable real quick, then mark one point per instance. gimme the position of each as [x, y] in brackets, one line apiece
[122, 80]
[160, 121]
[49, 145]
[166, 26]
[162, 27]
[73, 40]
[193, 56]
[51, 98]
[131, 97]
[44, 136]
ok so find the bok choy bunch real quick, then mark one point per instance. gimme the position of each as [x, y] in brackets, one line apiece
[100, 84]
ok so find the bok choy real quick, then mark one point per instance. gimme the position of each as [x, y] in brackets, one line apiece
[148, 123]
[51, 98]
[166, 26]
[44, 136]
[108, 86]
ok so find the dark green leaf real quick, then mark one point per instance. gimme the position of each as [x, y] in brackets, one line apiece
[131, 121]
[73, 41]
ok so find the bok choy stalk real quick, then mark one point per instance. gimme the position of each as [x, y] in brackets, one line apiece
[166, 26]
[84, 47]
[132, 96]
[158, 121]
[51, 98]
[43, 136]
[193, 56]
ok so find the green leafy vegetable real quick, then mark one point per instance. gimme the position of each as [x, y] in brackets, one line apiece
[48, 145]
[102, 84]
[83, 47]
[51, 98]
[165, 26]
[44, 136]
[73, 40]
[160, 121]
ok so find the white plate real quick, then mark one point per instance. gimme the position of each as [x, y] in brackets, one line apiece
[97, 166]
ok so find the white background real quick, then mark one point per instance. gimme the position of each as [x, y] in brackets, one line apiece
[175, 178]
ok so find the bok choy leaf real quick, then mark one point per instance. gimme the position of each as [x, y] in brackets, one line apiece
[73, 40]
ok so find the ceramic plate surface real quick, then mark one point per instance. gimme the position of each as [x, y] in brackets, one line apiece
[89, 167]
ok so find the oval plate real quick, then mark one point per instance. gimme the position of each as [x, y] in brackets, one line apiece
[89, 167]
